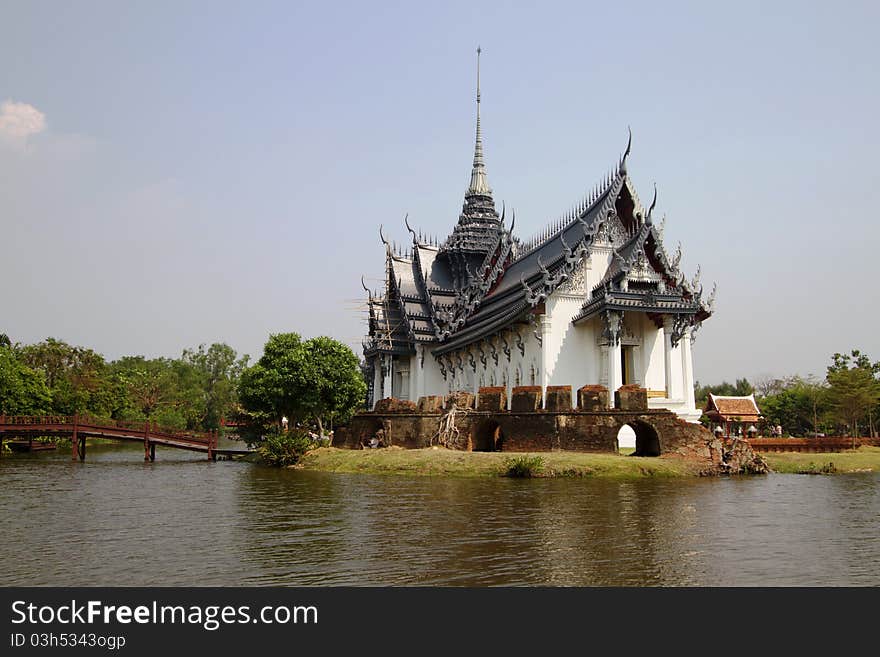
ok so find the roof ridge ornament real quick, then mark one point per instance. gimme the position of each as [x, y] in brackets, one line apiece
[621, 169]
[653, 205]
[696, 280]
[409, 228]
[384, 241]
[710, 302]
[676, 259]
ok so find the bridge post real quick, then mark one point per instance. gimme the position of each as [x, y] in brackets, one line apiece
[147, 442]
[212, 445]
[74, 440]
[152, 451]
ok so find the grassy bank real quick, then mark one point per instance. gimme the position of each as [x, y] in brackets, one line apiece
[445, 462]
[863, 459]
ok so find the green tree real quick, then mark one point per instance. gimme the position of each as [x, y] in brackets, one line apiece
[219, 369]
[853, 393]
[854, 389]
[150, 386]
[855, 359]
[338, 385]
[76, 376]
[797, 404]
[319, 379]
[23, 391]
[167, 391]
[279, 383]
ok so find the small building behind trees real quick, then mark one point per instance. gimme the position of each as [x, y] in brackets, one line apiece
[733, 415]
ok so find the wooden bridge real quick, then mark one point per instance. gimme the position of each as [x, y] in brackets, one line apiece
[827, 444]
[80, 427]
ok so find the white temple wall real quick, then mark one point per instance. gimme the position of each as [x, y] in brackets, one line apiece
[400, 377]
[569, 355]
[571, 352]
[525, 367]
[596, 266]
[434, 383]
[654, 368]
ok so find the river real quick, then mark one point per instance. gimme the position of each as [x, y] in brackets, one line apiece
[182, 521]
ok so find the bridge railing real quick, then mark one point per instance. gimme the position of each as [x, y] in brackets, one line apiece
[88, 421]
[827, 444]
[35, 419]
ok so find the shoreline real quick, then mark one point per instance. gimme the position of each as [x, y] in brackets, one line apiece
[443, 462]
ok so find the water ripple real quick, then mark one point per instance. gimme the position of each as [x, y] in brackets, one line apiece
[116, 520]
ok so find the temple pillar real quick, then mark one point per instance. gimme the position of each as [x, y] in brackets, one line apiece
[615, 368]
[386, 382]
[544, 378]
[673, 390]
[419, 364]
[687, 370]
[474, 372]
[377, 380]
[603, 365]
[637, 368]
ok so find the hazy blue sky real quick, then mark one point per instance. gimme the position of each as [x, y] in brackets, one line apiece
[174, 173]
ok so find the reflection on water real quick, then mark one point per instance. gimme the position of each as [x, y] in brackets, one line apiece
[116, 520]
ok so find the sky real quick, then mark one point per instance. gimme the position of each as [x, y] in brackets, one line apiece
[178, 173]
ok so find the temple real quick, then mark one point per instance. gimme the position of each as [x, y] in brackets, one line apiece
[593, 298]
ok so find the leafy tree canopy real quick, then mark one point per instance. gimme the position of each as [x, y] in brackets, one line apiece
[338, 383]
[319, 379]
[218, 368]
[853, 389]
[75, 375]
[23, 391]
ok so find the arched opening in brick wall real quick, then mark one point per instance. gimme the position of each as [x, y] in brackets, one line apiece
[374, 436]
[647, 440]
[626, 440]
[486, 436]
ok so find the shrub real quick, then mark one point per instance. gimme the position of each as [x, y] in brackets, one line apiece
[812, 468]
[523, 466]
[286, 448]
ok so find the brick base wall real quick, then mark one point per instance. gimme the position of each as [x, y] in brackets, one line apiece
[534, 431]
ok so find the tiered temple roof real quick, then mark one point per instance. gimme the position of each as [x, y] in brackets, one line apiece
[481, 279]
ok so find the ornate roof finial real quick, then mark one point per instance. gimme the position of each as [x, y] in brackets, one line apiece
[710, 302]
[479, 183]
[622, 168]
[653, 205]
[409, 228]
[479, 50]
